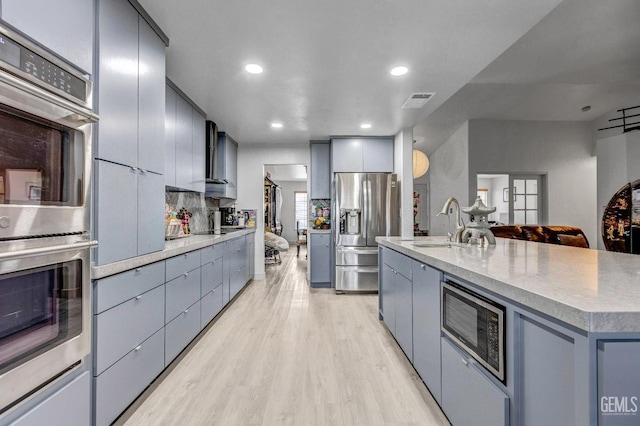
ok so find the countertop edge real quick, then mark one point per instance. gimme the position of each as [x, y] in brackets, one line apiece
[172, 248]
[592, 322]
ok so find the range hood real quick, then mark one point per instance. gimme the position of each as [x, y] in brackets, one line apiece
[215, 167]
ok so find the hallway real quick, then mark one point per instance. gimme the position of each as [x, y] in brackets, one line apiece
[284, 353]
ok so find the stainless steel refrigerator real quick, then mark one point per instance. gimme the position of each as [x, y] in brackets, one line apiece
[366, 206]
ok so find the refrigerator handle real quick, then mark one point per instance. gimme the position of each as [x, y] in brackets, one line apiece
[366, 210]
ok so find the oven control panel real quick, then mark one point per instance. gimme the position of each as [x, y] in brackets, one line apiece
[16, 56]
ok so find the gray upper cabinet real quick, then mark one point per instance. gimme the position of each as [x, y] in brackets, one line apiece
[150, 212]
[357, 155]
[198, 149]
[44, 21]
[151, 95]
[347, 155]
[377, 155]
[320, 173]
[185, 141]
[131, 88]
[170, 126]
[118, 85]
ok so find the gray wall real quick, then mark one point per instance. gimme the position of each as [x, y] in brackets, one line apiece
[449, 177]
[561, 150]
[251, 161]
[287, 215]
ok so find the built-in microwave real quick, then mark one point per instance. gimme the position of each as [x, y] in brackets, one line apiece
[475, 323]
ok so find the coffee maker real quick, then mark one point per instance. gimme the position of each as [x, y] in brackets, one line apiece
[229, 217]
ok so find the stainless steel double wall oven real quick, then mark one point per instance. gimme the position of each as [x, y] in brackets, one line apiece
[45, 168]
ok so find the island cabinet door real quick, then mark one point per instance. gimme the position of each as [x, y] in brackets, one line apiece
[404, 326]
[469, 398]
[388, 298]
[426, 326]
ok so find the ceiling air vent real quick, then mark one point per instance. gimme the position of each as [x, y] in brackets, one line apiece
[417, 100]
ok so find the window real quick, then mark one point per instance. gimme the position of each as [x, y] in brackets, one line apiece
[301, 209]
[526, 204]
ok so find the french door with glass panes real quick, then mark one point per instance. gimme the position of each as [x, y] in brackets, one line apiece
[526, 200]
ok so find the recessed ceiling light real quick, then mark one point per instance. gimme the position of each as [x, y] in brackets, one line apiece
[365, 126]
[585, 108]
[253, 68]
[276, 125]
[398, 71]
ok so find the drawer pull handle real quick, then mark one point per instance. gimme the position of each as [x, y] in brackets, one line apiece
[138, 348]
[423, 267]
[138, 269]
[186, 311]
[464, 361]
[139, 297]
[186, 274]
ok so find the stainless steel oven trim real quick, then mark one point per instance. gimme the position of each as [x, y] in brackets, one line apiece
[33, 374]
[35, 83]
[36, 220]
[499, 373]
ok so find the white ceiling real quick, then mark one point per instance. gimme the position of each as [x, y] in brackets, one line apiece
[327, 63]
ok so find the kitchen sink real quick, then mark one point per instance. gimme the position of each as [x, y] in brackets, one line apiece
[446, 244]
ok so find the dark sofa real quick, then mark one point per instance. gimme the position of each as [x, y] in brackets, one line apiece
[564, 235]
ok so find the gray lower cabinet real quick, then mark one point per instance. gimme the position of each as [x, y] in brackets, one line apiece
[235, 273]
[121, 383]
[319, 259]
[41, 21]
[180, 331]
[404, 322]
[426, 326]
[128, 325]
[387, 294]
[468, 395]
[123, 327]
[618, 382]
[69, 406]
[210, 305]
[548, 355]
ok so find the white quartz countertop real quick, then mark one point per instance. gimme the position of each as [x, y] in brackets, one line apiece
[171, 248]
[594, 290]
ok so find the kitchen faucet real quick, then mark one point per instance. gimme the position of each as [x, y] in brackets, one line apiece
[459, 224]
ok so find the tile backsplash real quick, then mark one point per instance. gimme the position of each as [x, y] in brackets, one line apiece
[196, 203]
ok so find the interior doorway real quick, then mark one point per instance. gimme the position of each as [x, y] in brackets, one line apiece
[518, 198]
[284, 185]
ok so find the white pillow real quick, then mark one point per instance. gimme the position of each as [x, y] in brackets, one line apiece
[275, 241]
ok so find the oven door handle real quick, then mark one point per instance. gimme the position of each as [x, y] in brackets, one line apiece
[80, 245]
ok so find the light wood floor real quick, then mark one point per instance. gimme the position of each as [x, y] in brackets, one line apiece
[286, 354]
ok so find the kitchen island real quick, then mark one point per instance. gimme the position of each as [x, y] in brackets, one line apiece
[572, 329]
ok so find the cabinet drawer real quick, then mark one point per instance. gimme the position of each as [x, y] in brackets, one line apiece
[122, 328]
[182, 293]
[210, 253]
[464, 385]
[398, 262]
[70, 406]
[235, 244]
[112, 291]
[118, 386]
[211, 275]
[180, 331]
[238, 259]
[210, 305]
[178, 265]
[237, 281]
